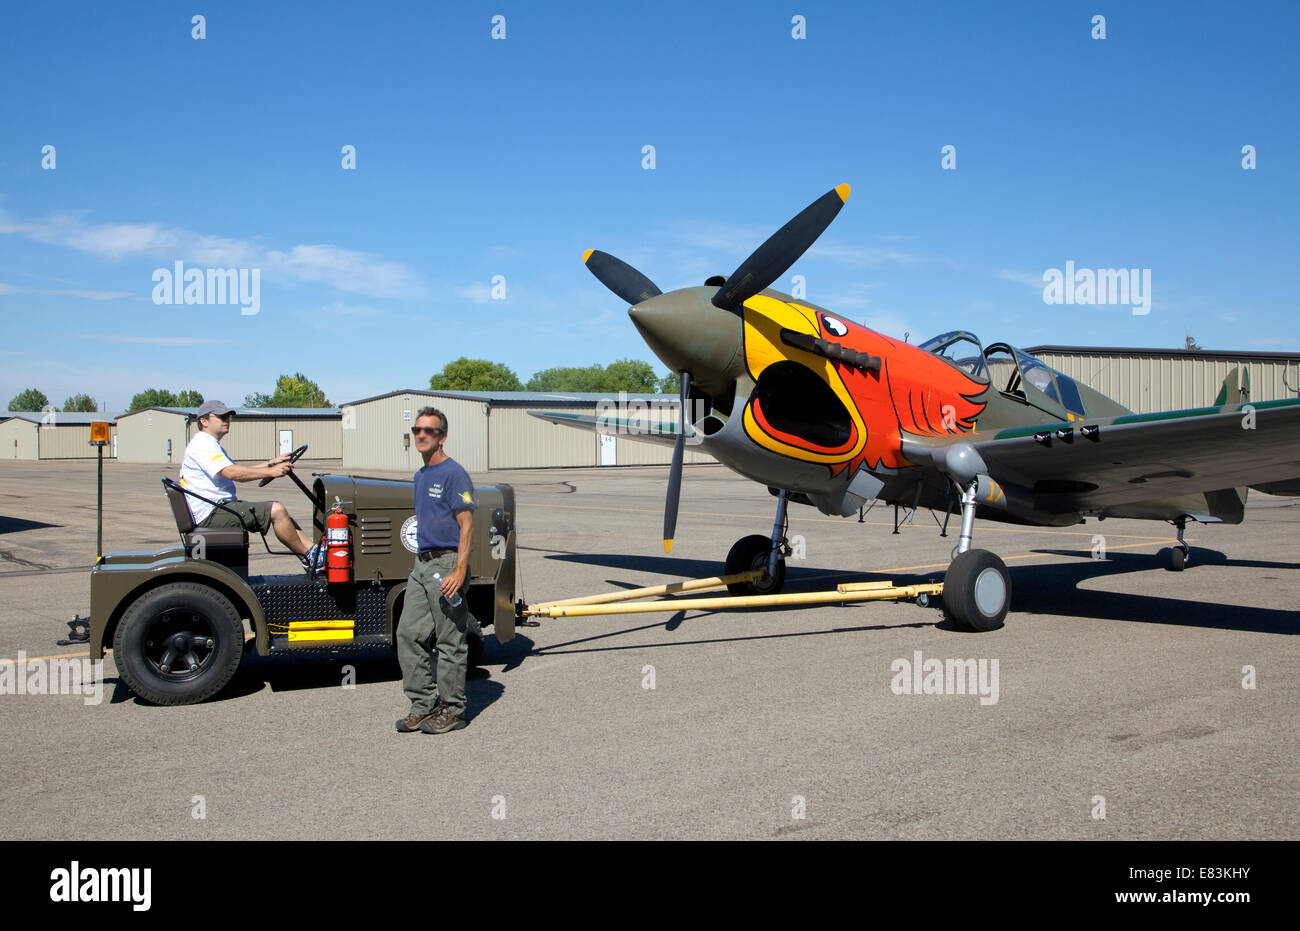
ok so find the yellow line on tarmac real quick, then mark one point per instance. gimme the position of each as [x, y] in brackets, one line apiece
[31, 659]
[831, 520]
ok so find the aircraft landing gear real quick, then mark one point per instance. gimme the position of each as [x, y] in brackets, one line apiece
[1180, 554]
[977, 586]
[759, 552]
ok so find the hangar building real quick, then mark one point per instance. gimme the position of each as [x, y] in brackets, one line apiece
[493, 430]
[159, 434]
[1150, 380]
[53, 435]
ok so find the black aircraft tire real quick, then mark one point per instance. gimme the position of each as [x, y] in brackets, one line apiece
[185, 615]
[751, 552]
[977, 590]
[1177, 559]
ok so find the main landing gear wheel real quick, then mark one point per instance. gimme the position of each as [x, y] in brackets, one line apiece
[178, 644]
[752, 552]
[977, 590]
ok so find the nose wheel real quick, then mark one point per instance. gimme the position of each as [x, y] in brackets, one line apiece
[977, 586]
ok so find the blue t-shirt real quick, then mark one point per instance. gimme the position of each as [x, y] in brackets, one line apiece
[440, 491]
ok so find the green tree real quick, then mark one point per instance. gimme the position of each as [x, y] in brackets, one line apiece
[81, 402]
[568, 378]
[29, 400]
[1192, 343]
[475, 375]
[630, 375]
[670, 384]
[189, 398]
[296, 390]
[153, 397]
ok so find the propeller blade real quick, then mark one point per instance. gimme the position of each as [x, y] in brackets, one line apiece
[675, 472]
[782, 249]
[620, 277]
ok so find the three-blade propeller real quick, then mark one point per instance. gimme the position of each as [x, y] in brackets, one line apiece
[764, 265]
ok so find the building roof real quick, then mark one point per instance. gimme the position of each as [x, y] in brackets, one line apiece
[1231, 354]
[250, 412]
[61, 418]
[517, 397]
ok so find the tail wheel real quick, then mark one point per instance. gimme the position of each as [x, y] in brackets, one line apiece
[178, 644]
[752, 552]
[977, 590]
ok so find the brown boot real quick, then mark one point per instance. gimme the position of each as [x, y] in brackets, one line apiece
[413, 722]
[445, 720]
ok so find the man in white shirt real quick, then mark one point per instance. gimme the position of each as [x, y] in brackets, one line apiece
[208, 471]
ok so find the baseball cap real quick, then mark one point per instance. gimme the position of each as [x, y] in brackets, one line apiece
[214, 407]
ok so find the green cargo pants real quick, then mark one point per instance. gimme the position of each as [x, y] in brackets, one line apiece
[428, 622]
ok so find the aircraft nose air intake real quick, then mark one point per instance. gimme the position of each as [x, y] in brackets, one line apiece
[687, 332]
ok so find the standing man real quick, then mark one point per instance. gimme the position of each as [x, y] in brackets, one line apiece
[208, 471]
[444, 506]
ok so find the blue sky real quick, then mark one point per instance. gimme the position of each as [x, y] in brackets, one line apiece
[479, 157]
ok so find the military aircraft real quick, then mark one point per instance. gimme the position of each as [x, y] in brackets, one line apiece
[831, 414]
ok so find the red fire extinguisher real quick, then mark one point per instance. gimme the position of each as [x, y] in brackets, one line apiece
[338, 554]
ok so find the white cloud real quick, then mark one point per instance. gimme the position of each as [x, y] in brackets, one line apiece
[344, 269]
[156, 340]
[91, 295]
[1029, 279]
[478, 292]
[863, 256]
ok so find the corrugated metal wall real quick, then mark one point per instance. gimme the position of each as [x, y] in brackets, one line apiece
[373, 432]
[71, 441]
[256, 438]
[521, 441]
[17, 439]
[143, 436]
[1148, 384]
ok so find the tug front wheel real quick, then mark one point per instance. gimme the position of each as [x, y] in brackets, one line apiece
[752, 552]
[977, 590]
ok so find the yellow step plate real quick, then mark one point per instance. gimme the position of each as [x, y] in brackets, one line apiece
[297, 636]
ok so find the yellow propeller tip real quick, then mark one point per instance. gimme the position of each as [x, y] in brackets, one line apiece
[843, 190]
[668, 546]
[586, 255]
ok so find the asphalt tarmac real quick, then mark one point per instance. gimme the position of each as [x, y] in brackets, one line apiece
[1119, 712]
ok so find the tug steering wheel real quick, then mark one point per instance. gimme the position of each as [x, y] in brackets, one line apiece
[293, 457]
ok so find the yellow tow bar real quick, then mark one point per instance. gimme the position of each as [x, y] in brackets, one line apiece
[609, 603]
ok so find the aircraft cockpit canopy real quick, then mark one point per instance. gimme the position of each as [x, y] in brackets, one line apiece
[1007, 367]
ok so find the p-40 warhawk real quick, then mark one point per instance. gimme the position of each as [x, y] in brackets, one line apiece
[831, 414]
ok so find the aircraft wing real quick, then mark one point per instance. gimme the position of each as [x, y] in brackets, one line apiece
[660, 433]
[1136, 457]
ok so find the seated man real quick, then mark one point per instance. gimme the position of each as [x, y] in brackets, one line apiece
[208, 471]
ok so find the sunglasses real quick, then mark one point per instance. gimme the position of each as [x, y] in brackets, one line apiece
[432, 431]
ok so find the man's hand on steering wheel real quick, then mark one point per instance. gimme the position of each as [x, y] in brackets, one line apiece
[282, 464]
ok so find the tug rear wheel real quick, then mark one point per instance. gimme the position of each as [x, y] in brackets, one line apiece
[752, 552]
[178, 644]
[977, 590]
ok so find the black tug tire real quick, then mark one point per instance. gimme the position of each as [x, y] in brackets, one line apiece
[1177, 559]
[751, 552]
[178, 625]
[977, 590]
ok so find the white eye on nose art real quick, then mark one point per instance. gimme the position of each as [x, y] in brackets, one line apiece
[834, 326]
